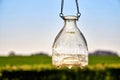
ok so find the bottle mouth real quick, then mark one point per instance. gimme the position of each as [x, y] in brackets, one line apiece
[70, 17]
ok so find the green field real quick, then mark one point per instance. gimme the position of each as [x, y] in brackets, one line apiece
[25, 60]
[45, 60]
[40, 68]
[104, 60]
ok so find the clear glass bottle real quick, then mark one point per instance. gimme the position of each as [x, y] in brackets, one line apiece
[70, 47]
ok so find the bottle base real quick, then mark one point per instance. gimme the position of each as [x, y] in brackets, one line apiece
[70, 66]
[71, 61]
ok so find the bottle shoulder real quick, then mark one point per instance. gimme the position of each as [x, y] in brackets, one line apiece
[70, 37]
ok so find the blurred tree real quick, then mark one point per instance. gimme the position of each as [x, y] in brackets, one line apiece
[39, 54]
[103, 53]
[12, 53]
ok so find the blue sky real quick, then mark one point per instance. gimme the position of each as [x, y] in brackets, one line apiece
[28, 26]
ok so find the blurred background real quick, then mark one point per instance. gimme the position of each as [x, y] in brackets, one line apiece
[30, 26]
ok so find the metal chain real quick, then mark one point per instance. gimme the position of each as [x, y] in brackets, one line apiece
[62, 5]
[78, 12]
[61, 13]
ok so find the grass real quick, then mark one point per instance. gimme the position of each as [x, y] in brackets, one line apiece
[25, 60]
[45, 60]
[104, 60]
[40, 68]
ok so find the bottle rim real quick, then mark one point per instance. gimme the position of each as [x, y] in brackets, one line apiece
[70, 17]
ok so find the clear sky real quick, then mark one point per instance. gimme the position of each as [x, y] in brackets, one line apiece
[28, 26]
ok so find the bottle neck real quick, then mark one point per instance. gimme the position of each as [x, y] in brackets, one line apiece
[70, 23]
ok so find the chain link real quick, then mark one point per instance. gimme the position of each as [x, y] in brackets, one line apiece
[62, 5]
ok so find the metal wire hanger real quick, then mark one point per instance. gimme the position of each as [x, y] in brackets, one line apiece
[62, 5]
